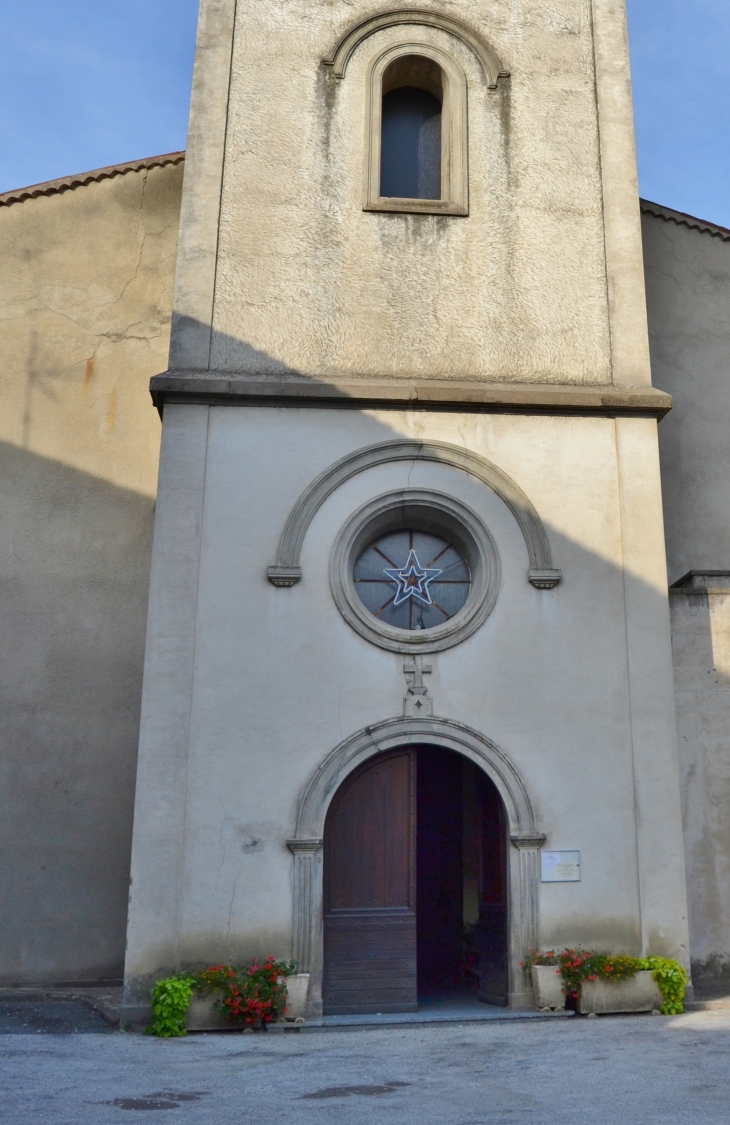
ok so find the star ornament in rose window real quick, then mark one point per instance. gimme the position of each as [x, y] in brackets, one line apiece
[412, 581]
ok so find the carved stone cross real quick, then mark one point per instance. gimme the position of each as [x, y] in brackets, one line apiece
[417, 700]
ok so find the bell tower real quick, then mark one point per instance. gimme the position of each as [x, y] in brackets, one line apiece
[408, 414]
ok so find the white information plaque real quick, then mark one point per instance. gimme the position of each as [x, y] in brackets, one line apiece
[560, 867]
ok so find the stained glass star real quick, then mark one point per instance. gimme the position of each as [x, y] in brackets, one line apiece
[412, 581]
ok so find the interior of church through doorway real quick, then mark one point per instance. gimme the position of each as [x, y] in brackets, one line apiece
[415, 887]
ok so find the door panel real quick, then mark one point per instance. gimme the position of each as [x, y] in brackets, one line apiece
[369, 906]
[492, 927]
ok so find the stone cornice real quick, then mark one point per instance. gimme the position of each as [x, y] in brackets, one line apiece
[220, 388]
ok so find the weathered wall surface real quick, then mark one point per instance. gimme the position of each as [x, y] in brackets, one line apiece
[688, 298]
[249, 687]
[491, 296]
[515, 292]
[85, 301]
[688, 294]
[701, 642]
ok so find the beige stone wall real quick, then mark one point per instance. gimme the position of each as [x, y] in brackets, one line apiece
[85, 302]
[688, 297]
[688, 293]
[493, 296]
[541, 283]
[701, 642]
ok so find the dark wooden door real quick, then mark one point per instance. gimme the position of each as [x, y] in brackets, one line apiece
[492, 926]
[369, 889]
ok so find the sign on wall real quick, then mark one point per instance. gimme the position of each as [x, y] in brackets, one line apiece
[560, 867]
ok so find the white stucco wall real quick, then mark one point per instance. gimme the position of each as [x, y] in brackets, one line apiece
[248, 687]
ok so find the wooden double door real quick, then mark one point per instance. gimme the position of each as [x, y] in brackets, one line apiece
[414, 886]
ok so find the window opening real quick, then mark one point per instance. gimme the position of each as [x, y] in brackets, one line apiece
[412, 579]
[410, 152]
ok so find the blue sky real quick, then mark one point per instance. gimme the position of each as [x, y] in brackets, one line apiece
[85, 83]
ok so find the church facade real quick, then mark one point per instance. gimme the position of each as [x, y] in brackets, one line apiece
[412, 687]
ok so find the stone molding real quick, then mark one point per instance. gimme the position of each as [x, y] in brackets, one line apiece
[305, 853]
[226, 388]
[341, 54]
[523, 860]
[454, 146]
[459, 522]
[702, 582]
[191, 330]
[287, 571]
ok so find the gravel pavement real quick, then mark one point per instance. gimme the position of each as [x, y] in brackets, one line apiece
[638, 1070]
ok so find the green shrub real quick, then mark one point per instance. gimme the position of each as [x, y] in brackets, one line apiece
[170, 1000]
[672, 981]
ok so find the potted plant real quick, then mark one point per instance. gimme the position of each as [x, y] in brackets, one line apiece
[598, 982]
[547, 981]
[223, 996]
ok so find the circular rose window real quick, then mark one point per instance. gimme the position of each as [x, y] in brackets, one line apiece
[414, 571]
[412, 579]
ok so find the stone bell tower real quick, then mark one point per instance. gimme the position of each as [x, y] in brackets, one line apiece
[409, 324]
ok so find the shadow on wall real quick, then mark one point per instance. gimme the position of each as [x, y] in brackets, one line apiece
[569, 645]
[73, 611]
[73, 603]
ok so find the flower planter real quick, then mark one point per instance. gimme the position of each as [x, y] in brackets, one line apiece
[639, 993]
[548, 985]
[297, 987]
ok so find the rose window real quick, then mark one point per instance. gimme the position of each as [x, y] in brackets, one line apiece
[411, 579]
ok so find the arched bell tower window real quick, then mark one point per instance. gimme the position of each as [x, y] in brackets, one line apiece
[410, 145]
[416, 140]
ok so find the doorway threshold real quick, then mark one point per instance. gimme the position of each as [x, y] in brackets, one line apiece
[446, 1009]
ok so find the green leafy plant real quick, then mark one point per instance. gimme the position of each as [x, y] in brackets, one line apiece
[170, 1000]
[249, 996]
[672, 980]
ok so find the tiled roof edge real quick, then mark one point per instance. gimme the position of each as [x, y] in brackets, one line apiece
[683, 220]
[66, 183]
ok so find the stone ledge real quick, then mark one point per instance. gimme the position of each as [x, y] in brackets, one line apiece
[220, 388]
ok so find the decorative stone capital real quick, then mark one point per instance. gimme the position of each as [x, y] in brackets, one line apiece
[284, 575]
[534, 840]
[544, 579]
[304, 846]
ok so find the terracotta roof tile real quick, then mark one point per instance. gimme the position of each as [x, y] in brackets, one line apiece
[67, 183]
[681, 219]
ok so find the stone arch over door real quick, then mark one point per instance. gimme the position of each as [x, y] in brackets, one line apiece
[306, 845]
[287, 571]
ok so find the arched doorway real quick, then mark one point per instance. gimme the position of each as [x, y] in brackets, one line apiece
[415, 884]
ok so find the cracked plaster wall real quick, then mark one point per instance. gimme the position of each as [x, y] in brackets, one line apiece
[85, 305]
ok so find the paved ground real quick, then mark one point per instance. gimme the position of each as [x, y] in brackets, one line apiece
[638, 1070]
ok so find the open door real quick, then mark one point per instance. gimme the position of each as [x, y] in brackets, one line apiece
[369, 889]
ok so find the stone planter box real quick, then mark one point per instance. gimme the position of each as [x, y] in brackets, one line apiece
[297, 988]
[639, 993]
[202, 1016]
[548, 985]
